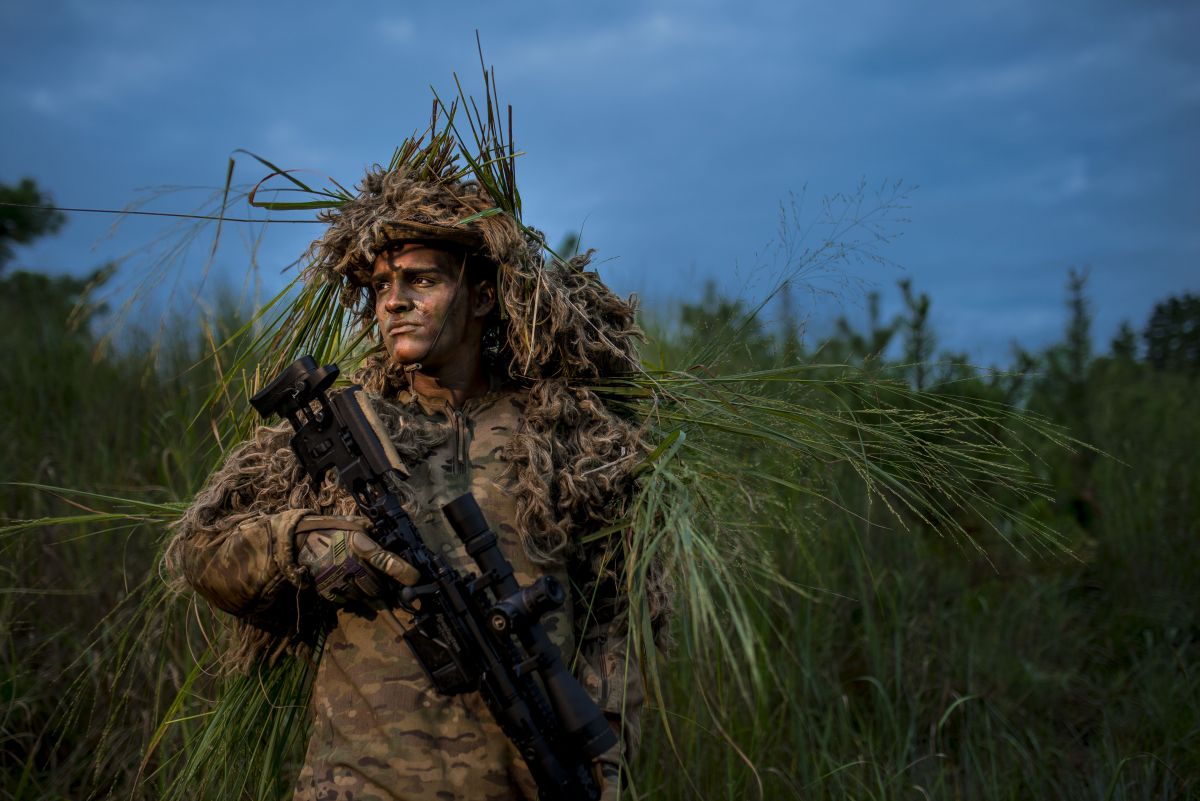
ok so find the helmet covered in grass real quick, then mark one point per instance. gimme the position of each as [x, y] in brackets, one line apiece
[556, 318]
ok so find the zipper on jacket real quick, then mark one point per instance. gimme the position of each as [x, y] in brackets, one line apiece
[461, 446]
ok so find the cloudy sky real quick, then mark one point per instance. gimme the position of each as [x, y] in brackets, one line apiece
[1026, 137]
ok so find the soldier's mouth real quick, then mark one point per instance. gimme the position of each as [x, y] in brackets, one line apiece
[403, 328]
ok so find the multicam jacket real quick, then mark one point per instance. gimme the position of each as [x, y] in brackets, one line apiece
[379, 729]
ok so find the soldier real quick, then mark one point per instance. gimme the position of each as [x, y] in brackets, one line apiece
[481, 347]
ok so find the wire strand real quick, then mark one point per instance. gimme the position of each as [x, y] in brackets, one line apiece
[154, 214]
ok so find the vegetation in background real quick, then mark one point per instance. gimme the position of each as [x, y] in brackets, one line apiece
[24, 221]
[917, 668]
[900, 663]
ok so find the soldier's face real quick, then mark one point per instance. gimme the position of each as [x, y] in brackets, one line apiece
[427, 309]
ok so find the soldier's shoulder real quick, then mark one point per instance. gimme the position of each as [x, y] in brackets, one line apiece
[264, 441]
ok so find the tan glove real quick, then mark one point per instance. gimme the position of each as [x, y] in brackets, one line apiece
[608, 776]
[343, 560]
[606, 768]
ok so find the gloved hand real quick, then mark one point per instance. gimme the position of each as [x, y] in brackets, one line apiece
[606, 769]
[342, 560]
[608, 775]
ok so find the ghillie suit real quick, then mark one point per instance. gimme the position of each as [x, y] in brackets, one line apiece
[565, 463]
[570, 465]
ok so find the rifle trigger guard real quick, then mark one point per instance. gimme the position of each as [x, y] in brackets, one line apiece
[410, 594]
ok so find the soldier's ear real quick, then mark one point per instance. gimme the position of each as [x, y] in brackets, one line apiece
[485, 298]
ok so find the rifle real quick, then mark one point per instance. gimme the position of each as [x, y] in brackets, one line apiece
[470, 633]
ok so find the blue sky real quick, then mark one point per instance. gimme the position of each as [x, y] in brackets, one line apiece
[1032, 136]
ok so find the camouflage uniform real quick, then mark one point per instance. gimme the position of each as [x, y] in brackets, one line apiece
[379, 729]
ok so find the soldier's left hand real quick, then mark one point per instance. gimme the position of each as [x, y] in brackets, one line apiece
[608, 775]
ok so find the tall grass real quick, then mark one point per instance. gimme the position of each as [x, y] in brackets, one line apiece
[911, 666]
[896, 661]
[87, 665]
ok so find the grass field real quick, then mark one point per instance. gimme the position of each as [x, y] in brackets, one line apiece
[903, 664]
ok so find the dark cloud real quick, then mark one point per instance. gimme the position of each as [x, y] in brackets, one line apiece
[1041, 135]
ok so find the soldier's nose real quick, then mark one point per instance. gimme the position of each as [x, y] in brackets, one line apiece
[396, 301]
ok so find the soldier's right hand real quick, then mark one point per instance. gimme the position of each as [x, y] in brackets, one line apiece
[345, 563]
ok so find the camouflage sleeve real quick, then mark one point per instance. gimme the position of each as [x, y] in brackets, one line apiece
[235, 544]
[243, 569]
[607, 665]
[610, 673]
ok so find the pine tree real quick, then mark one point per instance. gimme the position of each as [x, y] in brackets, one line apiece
[919, 340]
[1173, 334]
